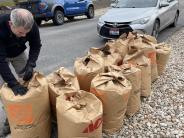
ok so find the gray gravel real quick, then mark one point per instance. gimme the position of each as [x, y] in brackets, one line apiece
[162, 114]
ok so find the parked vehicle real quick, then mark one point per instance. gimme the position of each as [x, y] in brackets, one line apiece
[58, 9]
[143, 16]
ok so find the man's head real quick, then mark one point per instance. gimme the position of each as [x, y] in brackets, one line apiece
[21, 22]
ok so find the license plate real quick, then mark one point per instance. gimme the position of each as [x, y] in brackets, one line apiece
[114, 31]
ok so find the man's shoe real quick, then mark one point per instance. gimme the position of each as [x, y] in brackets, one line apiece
[6, 128]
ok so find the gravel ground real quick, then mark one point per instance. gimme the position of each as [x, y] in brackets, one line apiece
[162, 114]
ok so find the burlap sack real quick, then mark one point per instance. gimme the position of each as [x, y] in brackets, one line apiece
[163, 52]
[113, 89]
[146, 44]
[86, 68]
[108, 54]
[28, 115]
[79, 115]
[148, 39]
[60, 82]
[120, 45]
[140, 61]
[150, 52]
[133, 74]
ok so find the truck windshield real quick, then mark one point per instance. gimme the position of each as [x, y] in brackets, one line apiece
[136, 3]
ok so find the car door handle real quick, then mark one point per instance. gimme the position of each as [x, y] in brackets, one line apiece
[81, 0]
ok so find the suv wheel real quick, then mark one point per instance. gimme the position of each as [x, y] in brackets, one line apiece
[156, 27]
[58, 18]
[174, 24]
[90, 13]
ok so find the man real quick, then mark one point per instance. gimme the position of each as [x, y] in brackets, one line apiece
[16, 29]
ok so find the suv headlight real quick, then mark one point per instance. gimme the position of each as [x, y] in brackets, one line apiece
[43, 5]
[141, 21]
[101, 22]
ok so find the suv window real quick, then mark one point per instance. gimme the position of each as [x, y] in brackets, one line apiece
[136, 3]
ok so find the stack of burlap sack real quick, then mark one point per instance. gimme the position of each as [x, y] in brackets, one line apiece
[120, 73]
[78, 113]
[106, 85]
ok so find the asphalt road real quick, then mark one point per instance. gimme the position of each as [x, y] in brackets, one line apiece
[63, 44]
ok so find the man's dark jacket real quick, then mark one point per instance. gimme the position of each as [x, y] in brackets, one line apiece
[12, 46]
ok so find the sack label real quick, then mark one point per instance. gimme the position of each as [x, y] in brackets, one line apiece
[93, 126]
[152, 57]
[20, 114]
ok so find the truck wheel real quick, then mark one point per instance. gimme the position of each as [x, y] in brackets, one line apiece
[90, 13]
[58, 18]
[38, 21]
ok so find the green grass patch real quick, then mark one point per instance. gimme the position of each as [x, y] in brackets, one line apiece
[7, 3]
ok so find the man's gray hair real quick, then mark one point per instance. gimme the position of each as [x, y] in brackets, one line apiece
[22, 18]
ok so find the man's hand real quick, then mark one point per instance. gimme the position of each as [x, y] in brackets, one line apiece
[19, 89]
[28, 72]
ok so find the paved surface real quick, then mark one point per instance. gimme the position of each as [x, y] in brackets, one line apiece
[62, 44]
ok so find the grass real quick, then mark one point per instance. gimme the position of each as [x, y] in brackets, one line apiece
[7, 3]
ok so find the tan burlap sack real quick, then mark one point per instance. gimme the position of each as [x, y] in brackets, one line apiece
[60, 82]
[86, 68]
[113, 89]
[148, 38]
[143, 63]
[146, 44]
[79, 115]
[163, 51]
[119, 45]
[28, 115]
[133, 74]
[150, 52]
[108, 54]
